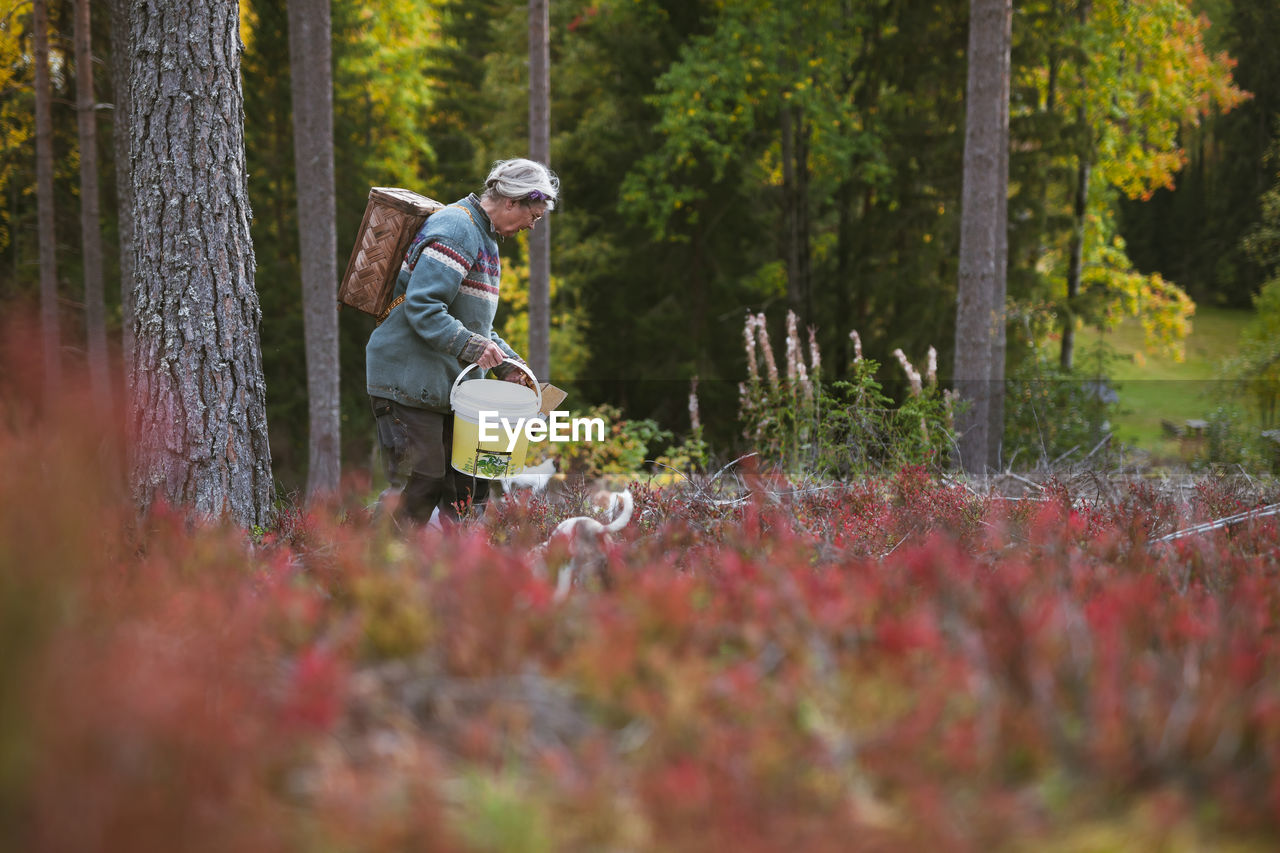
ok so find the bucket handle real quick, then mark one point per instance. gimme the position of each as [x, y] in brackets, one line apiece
[537, 389]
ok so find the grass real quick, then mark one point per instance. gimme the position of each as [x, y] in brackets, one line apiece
[1153, 387]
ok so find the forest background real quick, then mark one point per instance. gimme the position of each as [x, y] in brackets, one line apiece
[725, 158]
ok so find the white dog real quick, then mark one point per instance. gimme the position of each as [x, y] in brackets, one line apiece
[584, 534]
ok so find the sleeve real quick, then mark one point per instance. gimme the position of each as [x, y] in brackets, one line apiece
[433, 285]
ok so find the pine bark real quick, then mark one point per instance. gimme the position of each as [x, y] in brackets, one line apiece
[90, 228]
[120, 140]
[312, 88]
[539, 354]
[199, 402]
[46, 235]
[983, 243]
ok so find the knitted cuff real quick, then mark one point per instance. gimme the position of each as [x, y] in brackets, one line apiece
[473, 348]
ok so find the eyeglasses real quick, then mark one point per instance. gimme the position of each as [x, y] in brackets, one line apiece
[534, 217]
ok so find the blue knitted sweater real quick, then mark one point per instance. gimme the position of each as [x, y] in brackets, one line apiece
[449, 280]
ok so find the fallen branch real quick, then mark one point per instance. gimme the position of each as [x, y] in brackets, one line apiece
[1249, 515]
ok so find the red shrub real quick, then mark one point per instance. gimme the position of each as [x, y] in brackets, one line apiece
[897, 664]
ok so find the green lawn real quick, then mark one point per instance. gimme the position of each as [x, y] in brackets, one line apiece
[1153, 387]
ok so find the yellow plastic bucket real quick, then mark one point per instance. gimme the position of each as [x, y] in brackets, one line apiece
[495, 459]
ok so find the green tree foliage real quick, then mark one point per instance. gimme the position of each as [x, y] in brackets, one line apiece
[19, 264]
[1117, 82]
[15, 121]
[382, 97]
[769, 97]
[269, 150]
[637, 297]
[698, 232]
[721, 108]
[1191, 232]
[1259, 360]
[462, 107]
[661, 309]
[797, 113]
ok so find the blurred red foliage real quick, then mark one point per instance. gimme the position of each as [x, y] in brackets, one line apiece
[899, 664]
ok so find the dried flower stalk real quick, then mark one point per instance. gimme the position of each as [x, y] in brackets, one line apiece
[912, 375]
[749, 340]
[771, 366]
[857, 345]
[695, 418]
[815, 357]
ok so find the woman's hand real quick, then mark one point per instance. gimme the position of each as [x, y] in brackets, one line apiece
[519, 377]
[491, 357]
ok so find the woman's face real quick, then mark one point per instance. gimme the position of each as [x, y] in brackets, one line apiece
[514, 216]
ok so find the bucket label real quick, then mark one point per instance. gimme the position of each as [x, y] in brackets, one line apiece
[491, 464]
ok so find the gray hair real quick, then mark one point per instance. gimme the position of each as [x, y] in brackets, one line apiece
[524, 180]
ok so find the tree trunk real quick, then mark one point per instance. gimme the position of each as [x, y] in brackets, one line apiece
[795, 192]
[312, 82]
[45, 229]
[995, 410]
[844, 281]
[90, 229]
[199, 405]
[1075, 263]
[803, 134]
[984, 202]
[1075, 253]
[120, 140]
[539, 354]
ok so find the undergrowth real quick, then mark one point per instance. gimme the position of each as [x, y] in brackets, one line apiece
[893, 663]
[756, 662]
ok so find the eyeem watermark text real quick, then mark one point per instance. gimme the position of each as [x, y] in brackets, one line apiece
[559, 427]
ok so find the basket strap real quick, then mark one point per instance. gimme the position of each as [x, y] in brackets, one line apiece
[394, 303]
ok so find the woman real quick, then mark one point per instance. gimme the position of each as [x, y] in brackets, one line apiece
[441, 321]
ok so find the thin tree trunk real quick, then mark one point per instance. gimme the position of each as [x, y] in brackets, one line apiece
[795, 212]
[804, 132]
[120, 140]
[45, 228]
[199, 407]
[1040, 176]
[539, 354]
[90, 229]
[1075, 262]
[1075, 252]
[995, 411]
[790, 207]
[844, 281]
[984, 197]
[312, 85]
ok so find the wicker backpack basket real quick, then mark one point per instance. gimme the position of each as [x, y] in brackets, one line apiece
[391, 219]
